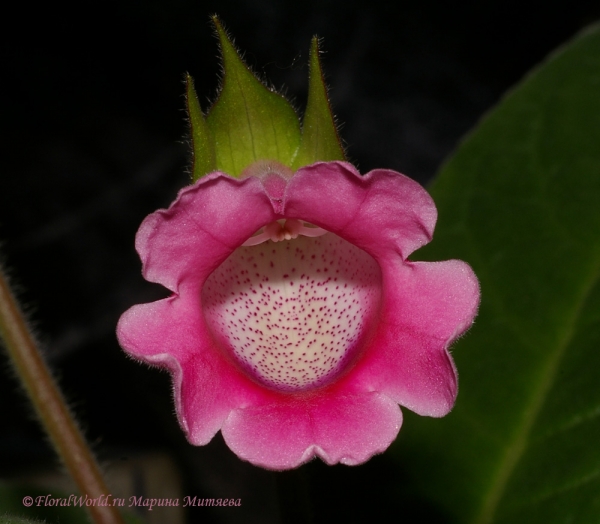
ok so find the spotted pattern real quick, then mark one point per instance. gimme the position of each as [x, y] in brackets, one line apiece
[293, 312]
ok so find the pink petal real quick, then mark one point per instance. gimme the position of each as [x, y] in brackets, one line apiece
[348, 429]
[186, 242]
[382, 212]
[427, 305]
[402, 359]
[170, 334]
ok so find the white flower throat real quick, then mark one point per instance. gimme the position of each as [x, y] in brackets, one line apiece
[293, 312]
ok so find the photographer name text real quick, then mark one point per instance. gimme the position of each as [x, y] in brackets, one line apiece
[83, 501]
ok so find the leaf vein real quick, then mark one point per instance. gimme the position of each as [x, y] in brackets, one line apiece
[516, 449]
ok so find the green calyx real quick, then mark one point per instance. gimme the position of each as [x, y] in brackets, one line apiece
[320, 140]
[250, 122]
[203, 147]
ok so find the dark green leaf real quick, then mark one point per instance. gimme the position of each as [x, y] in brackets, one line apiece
[320, 139]
[249, 122]
[520, 201]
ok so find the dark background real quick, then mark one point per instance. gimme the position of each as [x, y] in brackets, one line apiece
[92, 142]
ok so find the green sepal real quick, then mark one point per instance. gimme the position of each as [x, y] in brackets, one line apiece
[249, 122]
[203, 150]
[320, 140]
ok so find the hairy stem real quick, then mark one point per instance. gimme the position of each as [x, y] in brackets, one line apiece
[50, 405]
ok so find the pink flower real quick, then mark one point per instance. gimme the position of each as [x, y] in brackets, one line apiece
[303, 347]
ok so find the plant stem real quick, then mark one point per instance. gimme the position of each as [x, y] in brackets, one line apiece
[50, 405]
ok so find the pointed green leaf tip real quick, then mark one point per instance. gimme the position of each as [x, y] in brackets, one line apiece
[320, 140]
[249, 122]
[203, 150]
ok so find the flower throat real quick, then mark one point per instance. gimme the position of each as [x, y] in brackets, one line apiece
[292, 307]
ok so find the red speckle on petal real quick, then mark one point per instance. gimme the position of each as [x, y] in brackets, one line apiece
[296, 351]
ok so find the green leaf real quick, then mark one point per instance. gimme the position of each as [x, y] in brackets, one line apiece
[320, 140]
[248, 121]
[203, 150]
[520, 201]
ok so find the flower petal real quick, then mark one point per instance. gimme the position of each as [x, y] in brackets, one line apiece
[380, 212]
[403, 359]
[348, 429]
[426, 306]
[186, 242]
[170, 334]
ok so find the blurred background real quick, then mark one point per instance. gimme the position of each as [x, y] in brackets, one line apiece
[93, 140]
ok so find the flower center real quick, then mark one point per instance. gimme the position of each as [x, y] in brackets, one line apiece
[293, 313]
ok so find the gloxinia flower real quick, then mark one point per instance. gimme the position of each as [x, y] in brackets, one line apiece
[297, 324]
